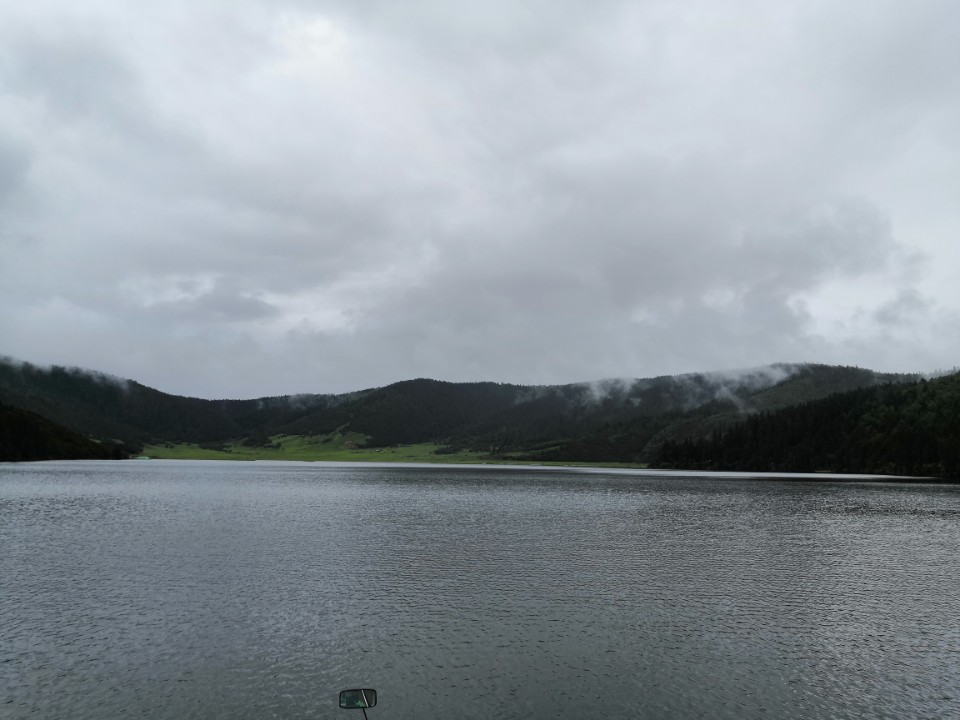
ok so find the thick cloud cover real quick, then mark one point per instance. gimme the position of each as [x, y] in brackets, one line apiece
[246, 198]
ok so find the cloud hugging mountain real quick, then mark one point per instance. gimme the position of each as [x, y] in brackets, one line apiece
[663, 420]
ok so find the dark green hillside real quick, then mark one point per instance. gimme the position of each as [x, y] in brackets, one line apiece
[690, 407]
[27, 436]
[107, 407]
[410, 412]
[614, 420]
[911, 429]
[608, 421]
[813, 381]
[538, 415]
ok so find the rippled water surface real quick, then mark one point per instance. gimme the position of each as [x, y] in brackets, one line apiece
[253, 590]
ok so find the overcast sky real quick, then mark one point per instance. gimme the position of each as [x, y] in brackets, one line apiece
[246, 198]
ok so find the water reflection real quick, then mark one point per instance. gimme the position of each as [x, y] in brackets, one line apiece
[220, 590]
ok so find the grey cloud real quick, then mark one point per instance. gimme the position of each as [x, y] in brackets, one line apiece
[908, 306]
[222, 306]
[842, 236]
[71, 74]
[14, 165]
[537, 193]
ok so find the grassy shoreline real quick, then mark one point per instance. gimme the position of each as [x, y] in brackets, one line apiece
[347, 447]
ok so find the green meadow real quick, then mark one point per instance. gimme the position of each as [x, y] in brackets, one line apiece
[337, 447]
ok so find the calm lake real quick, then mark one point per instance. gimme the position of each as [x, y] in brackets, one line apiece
[169, 589]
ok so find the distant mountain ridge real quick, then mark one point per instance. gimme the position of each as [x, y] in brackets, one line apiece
[618, 420]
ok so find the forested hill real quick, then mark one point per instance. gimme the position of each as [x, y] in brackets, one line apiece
[909, 429]
[107, 407]
[619, 420]
[27, 436]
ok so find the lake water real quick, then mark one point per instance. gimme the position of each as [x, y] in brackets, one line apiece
[207, 590]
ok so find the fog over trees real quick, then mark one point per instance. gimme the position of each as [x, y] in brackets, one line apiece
[785, 418]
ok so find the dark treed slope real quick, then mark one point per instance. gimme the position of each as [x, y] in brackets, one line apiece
[107, 407]
[410, 411]
[693, 406]
[890, 429]
[615, 420]
[27, 436]
[548, 416]
[110, 408]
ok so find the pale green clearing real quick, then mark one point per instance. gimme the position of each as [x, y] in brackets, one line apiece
[339, 447]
